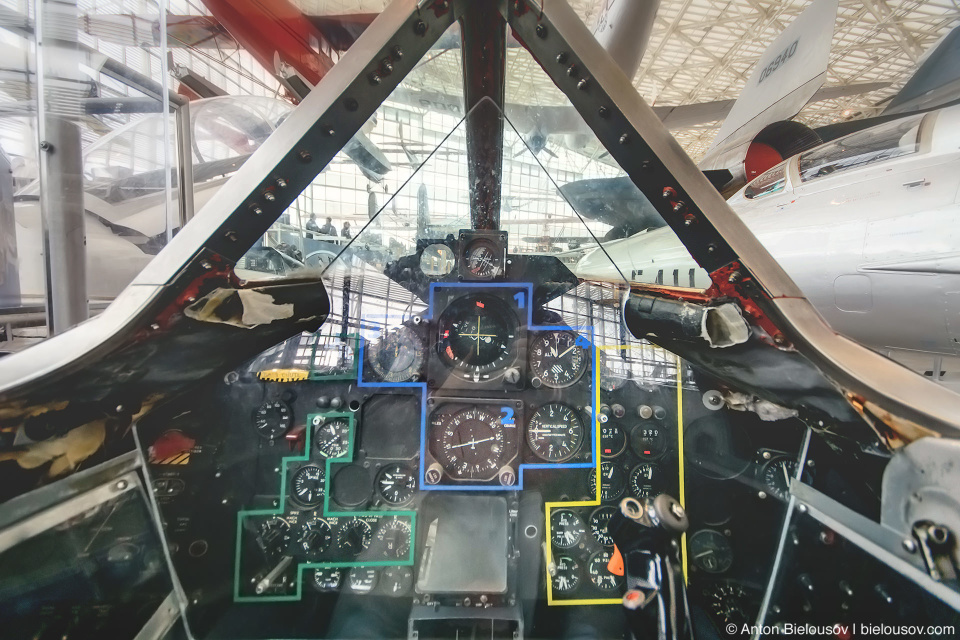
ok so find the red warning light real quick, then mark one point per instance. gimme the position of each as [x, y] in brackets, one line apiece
[608, 450]
[479, 304]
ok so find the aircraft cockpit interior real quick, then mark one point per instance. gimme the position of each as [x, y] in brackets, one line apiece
[438, 427]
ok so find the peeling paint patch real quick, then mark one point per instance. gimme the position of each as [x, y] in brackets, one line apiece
[244, 308]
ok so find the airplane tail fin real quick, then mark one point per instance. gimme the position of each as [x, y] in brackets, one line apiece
[624, 28]
[787, 76]
[935, 83]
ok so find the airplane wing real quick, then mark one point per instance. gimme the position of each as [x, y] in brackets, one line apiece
[785, 78]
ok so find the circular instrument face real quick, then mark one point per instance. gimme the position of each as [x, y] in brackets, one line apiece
[613, 372]
[599, 520]
[326, 579]
[393, 538]
[612, 441]
[555, 432]
[645, 480]
[315, 537]
[710, 551]
[396, 484]
[397, 356]
[476, 337]
[362, 579]
[483, 259]
[566, 529]
[307, 486]
[272, 419]
[648, 441]
[273, 536]
[600, 576]
[354, 537]
[556, 358]
[396, 581]
[567, 577]
[613, 482]
[471, 444]
[333, 438]
[776, 476]
[730, 603]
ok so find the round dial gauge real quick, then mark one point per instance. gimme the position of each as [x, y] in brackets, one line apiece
[730, 603]
[566, 579]
[396, 581]
[613, 482]
[393, 538]
[397, 356]
[476, 337]
[396, 484]
[613, 373]
[483, 258]
[645, 480]
[556, 359]
[599, 520]
[600, 576]
[326, 579]
[555, 432]
[710, 551]
[272, 419]
[612, 441]
[776, 476]
[354, 537]
[566, 529]
[307, 486]
[648, 441]
[362, 579]
[471, 444]
[333, 438]
[273, 536]
[315, 537]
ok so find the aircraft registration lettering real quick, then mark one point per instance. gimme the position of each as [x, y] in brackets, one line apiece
[785, 55]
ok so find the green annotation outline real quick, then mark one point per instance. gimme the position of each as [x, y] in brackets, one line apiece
[285, 464]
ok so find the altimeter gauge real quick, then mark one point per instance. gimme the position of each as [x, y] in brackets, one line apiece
[556, 359]
[471, 444]
[397, 356]
[396, 484]
[555, 432]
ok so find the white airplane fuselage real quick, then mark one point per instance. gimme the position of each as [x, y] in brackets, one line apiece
[875, 248]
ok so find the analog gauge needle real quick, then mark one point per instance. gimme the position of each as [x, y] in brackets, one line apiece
[610, 473]
[471, 443]
[786, 475]
[565, 352]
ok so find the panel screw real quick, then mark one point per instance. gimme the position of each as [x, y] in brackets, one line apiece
[734, 277]
[711, 248]
[397, 53]
[206, 264]
[231, 236]
[329, 131]
[689, 220]
[572, 70]
[386, 66]
[420, 27]
[562, 57]
[583, 84]
[679, 206]
[281, 183]
[256, 209]
[305, 156]
[668, 192]
[374, 78]
[45, 146]
[779, 339]
[603, 112]
[909, 546]
[542, 30]
[121, 485]
[268, 196]
[624, 139]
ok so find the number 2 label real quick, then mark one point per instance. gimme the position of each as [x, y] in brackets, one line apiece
[507, 418]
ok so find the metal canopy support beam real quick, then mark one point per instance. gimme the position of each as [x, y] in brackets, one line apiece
[484, 34]
[713, 234]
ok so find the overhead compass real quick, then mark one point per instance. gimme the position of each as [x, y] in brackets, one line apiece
[483, 259]
[556, 359]
[476, 337]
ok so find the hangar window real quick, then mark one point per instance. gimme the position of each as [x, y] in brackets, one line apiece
[770, 181]
[876, 144]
